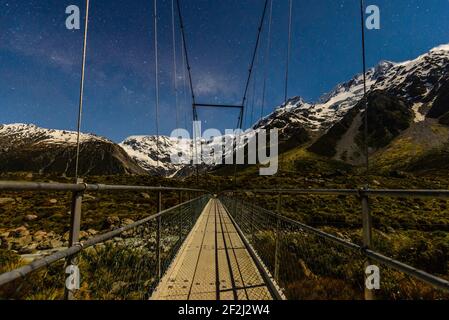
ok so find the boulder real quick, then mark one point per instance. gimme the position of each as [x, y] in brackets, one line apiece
[5, 234]
[83, 235]
[31, 217]
[19, 232]
[92, 232]
[112, 221]
[19, 243]
[31, 248]
[4, 201]
[50, 244]
[118, 286]
[127, 221]
[145, 195]
[56, 243]
[305, 270]
[88, 197]
[40, 236]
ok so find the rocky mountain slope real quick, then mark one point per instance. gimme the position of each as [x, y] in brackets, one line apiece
[408, 102]
[403, 95]
[26, 147]
[154, 154]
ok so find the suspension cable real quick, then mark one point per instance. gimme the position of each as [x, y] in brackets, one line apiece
[253, 98]
[365, 98]
[175, 71]
[184, 45]
[250, 71]
[156, 61]
[184, 77]
[81, 96]
[267, 60]
[189, 71]
[288, 49]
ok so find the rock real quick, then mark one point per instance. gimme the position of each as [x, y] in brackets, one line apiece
[92, 232]
[306, 271]
[52, 234]
[145, 195]
[4, 243]
[31, 248]
[390, 229]
[112, 221]
[87, 197]
[117, 287]
[7, 201]
[49, 244]
[398, 174]
[19, 232]
[31, 217]
[19, 243]
[40, 236]
[56, 243]
[45, 245]
[4, 235]
[83, 235]
[127, 221]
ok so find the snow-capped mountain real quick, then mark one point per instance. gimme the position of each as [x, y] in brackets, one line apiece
[154, 153]
[330, 108]
[171, 156]
[26, 147]
[401, 94]
[416, 80]
[408, 100]
[26, 133]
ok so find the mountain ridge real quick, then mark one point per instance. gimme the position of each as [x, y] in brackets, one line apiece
[403, 94]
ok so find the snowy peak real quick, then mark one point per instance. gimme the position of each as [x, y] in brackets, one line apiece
[154, 153]
[416, 81]
[329, 109]
[20, 131]
[28, 148]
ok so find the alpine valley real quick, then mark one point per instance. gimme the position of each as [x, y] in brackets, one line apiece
[408, 130]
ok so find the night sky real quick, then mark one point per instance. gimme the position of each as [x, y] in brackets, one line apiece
[40, 59]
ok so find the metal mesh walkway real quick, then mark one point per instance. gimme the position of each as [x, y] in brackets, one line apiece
[213, 264]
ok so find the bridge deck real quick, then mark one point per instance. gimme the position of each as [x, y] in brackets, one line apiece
[213, 264]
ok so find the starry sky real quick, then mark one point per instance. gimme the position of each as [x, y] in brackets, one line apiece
[40, 60]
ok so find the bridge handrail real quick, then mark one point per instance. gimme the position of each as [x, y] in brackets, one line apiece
[393, 263]
[80, 187]
[401, 193]
[46, 261]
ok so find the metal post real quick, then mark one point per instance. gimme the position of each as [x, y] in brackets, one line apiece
[367, 236]
[252, 220]
[234, 198]
[191, 213]
[158, 236]
[75, 226]
[278, 240]
[180, 216]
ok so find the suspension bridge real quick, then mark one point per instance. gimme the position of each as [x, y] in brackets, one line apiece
[210, 246]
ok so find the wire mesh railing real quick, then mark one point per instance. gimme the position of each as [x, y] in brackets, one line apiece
[309, 263]
[123, 263]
